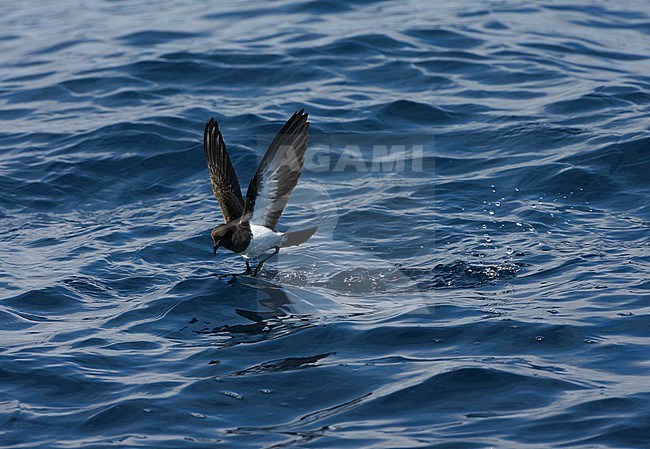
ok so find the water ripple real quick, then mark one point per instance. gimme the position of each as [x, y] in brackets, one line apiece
[491, 293]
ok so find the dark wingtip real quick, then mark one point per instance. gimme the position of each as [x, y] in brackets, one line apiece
[212, 122]
[301, 114]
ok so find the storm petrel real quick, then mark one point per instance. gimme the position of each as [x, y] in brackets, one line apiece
[249, 227]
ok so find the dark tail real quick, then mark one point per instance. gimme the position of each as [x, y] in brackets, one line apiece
[298, 237]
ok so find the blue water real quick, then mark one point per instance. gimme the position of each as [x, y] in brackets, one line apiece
[494, 292]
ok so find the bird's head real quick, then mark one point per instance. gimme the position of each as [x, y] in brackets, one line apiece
[220, 234]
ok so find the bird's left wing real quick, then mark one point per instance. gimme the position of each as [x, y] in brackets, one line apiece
[223, 177]
[278, 173]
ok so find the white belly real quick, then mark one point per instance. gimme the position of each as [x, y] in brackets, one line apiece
[263, 240]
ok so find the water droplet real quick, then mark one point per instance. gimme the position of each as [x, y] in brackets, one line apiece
[266, 391]
[509, 251]
[232, 394]
[625, 313]
[519, 224]
[197, 415]
[539, 338]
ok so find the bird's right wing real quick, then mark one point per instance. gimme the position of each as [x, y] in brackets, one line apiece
[223, 178]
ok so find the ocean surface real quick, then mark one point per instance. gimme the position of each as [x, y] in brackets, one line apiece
[480, 176]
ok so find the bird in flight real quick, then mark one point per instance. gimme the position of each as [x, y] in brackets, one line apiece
[249, 227]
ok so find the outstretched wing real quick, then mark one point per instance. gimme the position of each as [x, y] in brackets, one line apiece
[278, 173]
[223, 178]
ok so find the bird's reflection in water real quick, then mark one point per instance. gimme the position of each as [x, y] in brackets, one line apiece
[272, 317]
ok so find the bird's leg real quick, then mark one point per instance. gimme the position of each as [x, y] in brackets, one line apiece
[259, 265]
[248, 271]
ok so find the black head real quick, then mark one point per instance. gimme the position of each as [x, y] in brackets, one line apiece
[221, 235]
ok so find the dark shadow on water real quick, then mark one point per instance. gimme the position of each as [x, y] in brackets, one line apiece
[288, 364]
